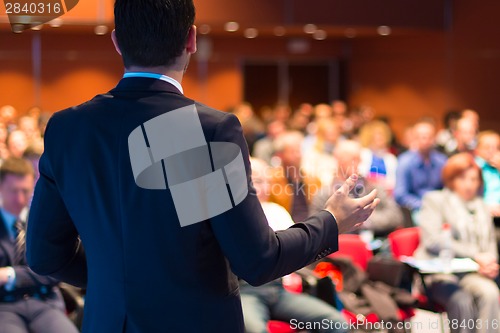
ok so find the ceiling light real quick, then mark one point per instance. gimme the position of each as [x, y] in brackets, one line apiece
[37, 27]
[279, 31]
[100, 30]
[310, 28]
[319, 35]
[251, 33]
[231, 26]
[204, 29]
[384, 30]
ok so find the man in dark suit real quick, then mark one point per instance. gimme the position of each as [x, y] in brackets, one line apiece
[168, 217]
[28, 302]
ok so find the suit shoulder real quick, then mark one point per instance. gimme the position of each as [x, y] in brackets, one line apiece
[76, 110]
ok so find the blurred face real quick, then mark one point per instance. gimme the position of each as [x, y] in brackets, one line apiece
[424, 136]
[488, 147]
[275, 128]
[379, 141]
[261, 183]
[16, 192]
[467, 184]
[348, 163]
[292, 156]
[466, 131]
[17, 143]
[331, 133]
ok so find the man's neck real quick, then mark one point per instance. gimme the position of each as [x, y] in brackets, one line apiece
[172, 72]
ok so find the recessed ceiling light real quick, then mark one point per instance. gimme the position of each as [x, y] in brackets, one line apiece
[319, 35]
[204, 29]
[350, 33]
[37, 27]
[231, 26]
[279, 31]
[251, 33]
[384, 30]
[310, 28]
[100, 30]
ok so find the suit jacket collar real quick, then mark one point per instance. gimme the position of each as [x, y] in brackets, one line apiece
[5, 242]
[139, 84]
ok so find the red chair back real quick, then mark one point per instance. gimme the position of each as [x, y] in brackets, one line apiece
[353, 247]
[404, 241]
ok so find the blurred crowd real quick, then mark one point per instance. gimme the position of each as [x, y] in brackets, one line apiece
[436, 179]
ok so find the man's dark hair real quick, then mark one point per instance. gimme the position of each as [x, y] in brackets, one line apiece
[16, 166]
[152, 33]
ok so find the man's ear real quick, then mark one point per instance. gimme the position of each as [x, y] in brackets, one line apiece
[191, 40]
[115, 42]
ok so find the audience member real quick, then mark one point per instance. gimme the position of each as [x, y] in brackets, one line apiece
[386, 217]
[8, 115]
[17, 142]
[488, 159]
[253, 127]
[444, 139]
[28, 302]
[271, 300]
[301, 118]
[29, 125]
[419, 170]
[377, 163]
[466, 296]
[291, 186]
[464, 137]
[318, 160]
[264, 148]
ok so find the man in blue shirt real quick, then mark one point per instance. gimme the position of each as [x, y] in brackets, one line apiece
[28, 302]
[419, 170]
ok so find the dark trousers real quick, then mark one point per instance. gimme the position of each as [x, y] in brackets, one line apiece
[34, 316]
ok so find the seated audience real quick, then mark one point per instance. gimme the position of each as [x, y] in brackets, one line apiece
[444, 138]
[28, 302]
[301, 118]
[466, 296]
[291, 186]
[264, 148]
[318, 160]
[253, 127]
[488, 159]
[387, 216]
[465, 137]
[377, 163]
[271, 300]
[419, 170]
[17, 142]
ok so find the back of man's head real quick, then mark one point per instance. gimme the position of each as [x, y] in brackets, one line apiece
[152, 33]
[15, 166]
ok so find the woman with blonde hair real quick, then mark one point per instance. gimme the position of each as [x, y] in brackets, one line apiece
[377, 163]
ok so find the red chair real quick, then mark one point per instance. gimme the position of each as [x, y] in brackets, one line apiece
[353, 247]
[274, 326]
[404, 241]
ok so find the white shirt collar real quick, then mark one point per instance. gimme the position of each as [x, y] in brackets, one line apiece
[165, 78]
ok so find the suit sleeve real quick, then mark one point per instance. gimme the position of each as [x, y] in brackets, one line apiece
[52, 243]
[255, 252]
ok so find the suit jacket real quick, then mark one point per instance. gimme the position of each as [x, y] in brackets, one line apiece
[472, 234]
[142, 270]
[27, 282]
